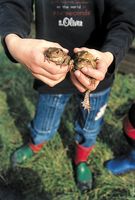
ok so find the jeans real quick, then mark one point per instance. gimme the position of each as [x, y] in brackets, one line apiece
[87, 124]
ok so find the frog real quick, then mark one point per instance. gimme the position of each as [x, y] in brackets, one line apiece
[85, 59]
[58, 56]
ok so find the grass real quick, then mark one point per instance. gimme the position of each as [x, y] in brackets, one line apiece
[49, 175]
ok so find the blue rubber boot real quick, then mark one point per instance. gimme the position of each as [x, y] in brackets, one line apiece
[125, 163]
[122, 165]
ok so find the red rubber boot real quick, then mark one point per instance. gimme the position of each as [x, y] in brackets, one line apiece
[83, 173]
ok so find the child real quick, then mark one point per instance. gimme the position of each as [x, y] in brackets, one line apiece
[104, 28]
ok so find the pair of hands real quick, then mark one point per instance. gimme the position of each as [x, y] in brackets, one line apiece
[30, 52]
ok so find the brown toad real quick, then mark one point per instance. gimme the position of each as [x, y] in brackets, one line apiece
[58, 56]
[85, 59]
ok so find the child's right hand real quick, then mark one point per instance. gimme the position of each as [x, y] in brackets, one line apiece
[30, 52]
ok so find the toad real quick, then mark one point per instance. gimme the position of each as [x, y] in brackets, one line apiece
[58, 56]
[85, 59]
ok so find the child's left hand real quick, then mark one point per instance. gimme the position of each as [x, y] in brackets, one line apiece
[80, 78]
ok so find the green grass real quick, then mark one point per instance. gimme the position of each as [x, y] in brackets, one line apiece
[49, 175]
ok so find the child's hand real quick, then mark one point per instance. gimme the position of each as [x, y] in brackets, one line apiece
[80, 78]
[30, 52]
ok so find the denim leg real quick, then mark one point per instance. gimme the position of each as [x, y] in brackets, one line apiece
[47, 117]
[88, 124]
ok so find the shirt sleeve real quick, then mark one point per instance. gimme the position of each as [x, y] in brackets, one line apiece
[119, 26]
[15, 17]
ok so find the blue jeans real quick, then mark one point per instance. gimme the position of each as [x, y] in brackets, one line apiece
[49, 111]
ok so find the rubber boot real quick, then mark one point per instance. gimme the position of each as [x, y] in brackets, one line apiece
[83, 173]
[24, 153]
[125, 163]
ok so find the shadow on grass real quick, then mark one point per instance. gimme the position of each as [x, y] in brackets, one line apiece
[17, 83]
[9, 194]
[22, 184]
[122, 110]
[114, 138]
